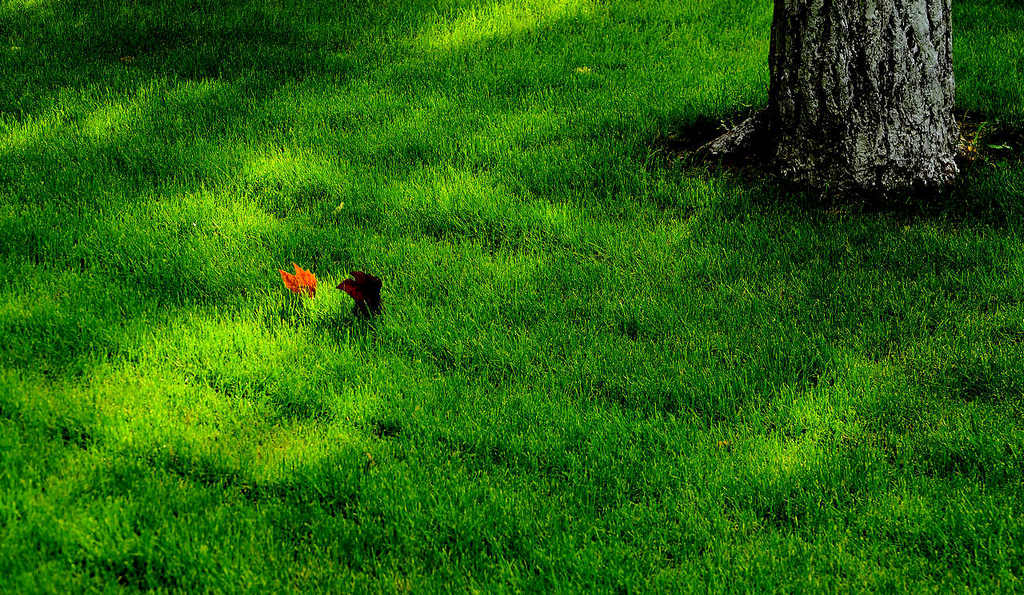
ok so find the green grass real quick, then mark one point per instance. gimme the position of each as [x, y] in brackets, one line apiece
[599, 368]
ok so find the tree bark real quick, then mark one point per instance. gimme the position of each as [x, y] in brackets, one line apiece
[861, 94]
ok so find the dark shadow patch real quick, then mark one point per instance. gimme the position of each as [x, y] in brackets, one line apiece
[114, 42]
[630, 326]
[986, 138]
[386, 427]
[142, 573]
[131, 469]
[689, 137]
[987, 379]
[308, 406]
[988, 460]
[73, 433]
[688, 142]
[331, 485]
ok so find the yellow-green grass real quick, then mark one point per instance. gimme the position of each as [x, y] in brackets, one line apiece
[599, 367]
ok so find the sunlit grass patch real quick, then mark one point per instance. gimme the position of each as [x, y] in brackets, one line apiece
[287, 181]
[18, 135]
[475, 24]
[24, 5]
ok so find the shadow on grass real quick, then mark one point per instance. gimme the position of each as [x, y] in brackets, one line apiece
[989, 190]
[81, 44]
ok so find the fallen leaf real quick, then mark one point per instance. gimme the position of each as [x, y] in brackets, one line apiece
[301, 281]
[364, 288]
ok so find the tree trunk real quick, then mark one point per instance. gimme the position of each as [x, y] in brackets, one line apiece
[861, 93]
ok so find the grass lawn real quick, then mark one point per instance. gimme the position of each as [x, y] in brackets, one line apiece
[600, 366]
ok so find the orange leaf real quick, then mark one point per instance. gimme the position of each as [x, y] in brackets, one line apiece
[301, 281]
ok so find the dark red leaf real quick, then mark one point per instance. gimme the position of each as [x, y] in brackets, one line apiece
[364, 288]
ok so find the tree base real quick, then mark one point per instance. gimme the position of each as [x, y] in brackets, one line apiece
[754, 141]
